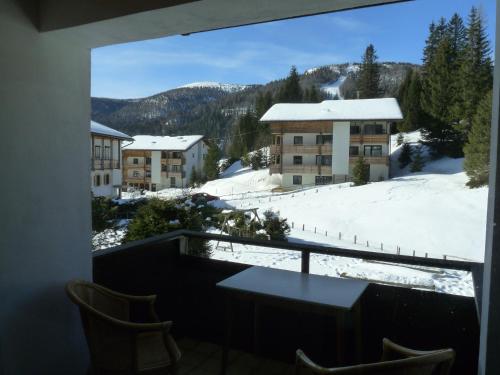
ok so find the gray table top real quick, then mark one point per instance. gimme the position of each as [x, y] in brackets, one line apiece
[326, 291]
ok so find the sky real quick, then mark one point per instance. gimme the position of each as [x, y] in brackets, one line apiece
[257, 54]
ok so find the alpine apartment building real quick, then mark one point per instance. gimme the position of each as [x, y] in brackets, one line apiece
[159, 162]
[318, 143]
[105, 164]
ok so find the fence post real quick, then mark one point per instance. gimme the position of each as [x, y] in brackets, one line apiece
[444, 257]
[304, 268]
[355, 239]
[382, 246]
[326, 233]
[367, 244]
[426, 255]
[292, 224]
[314, 229]
[303, 227]
[413, 252]
[340, 235]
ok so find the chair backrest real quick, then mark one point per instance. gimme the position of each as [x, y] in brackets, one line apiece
[396, 360]
[111, 345]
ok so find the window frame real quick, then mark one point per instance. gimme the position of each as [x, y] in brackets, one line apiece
[296, 158]
[297, 138]
[297, 178]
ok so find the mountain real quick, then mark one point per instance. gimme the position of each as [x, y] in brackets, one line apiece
[212, 108]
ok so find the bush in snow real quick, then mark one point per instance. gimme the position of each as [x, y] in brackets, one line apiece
[361, 172]
[276, 227]
[161, 216]
[418, 161]
[257, 160]
[405, 156]
[400, 139]
[103, 213]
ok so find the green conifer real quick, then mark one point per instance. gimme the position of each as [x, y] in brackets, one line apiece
[361, 172]
[477, 149]
[368, 83]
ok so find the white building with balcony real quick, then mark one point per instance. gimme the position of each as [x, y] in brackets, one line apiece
[159, 162]
[105, 164]
[319, 143]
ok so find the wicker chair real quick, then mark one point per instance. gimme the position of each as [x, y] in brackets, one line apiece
[396, 360]
[117, 344]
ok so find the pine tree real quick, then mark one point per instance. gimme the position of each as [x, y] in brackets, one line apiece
[211, 165]
[368, 83]
[262, 103]
[361, 172]
[475, 71]
[290, 91]
[400, 139]
[477, 149]
[256, 160]
[405, 156]
[418, 161]
[409, 97]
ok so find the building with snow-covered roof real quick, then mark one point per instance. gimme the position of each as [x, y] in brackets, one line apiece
[319, 143]
[158, 162]
[105, 171]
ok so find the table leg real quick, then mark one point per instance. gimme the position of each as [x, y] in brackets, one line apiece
[227, 338]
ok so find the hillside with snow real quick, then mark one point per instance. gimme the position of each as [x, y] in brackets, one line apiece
[430, 213]
[228, 87]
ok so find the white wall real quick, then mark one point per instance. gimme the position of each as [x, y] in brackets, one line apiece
[45, 222]
[156, 168]
[340, 147]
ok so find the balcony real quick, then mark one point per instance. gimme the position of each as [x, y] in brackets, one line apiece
[308, 169]
[187, 294]
[371, 159]
[101, 164]
[173, 161]
[369, 138]
[325, 149]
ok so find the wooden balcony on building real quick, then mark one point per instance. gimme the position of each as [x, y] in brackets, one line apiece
[308, 169]
[136, 179]
[302, 127]
[101, 164]
[173, 161]
[369, 138]
[325, 149]
[371, 159]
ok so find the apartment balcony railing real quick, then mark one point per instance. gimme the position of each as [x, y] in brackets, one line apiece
[186, 287]
[322, 149]
[371, 159]
[369, 138]
[176, 161]
[307, 168]
[100, 164]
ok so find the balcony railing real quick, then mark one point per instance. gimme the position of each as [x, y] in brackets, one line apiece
[100, 164]
[324, 149]
[307, 168]
[369, 138]
[187, 294]
[371, 159]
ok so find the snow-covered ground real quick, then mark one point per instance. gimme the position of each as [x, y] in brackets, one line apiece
[430, 213]
[229, 87]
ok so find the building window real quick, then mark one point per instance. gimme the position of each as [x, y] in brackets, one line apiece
[135, 174]
[297, 180]
[373, 150]
[153, 187]
[193, 155]
[106, 179]
[176, 155]
[278, 140]
[97, 152]
[176, 168]
[148, 161]
[163, 167]
[373, 129]
[323, 159]
[298, 140]
[323, 180]
[164, 154]
[98, 180]
[355, 129]
[107, 152]
[135, 161]
[353, 150]
[172, 182]
[297, 160]
[148, 173]
[324, 139]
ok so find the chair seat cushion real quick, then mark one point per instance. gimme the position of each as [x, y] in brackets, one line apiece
[152, 353]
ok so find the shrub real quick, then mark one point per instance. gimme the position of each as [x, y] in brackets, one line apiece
[103, 213]
[276, 227]
[361, 172]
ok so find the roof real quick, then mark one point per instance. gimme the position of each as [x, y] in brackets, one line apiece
[96, 128]
[355, 109]
[150, 142]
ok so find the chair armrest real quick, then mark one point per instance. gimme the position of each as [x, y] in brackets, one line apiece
[128, 297]
[392, 351]
[302, 360]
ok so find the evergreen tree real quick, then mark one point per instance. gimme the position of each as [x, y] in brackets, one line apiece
[405, 156]
[400, 139]
[361, 172]
[257, 159]
[336, 97]
[368, 83]
[418, 161]
[477, 149]
[475, 71]
[211, 165]
[409, 97]
[194, 179]
[290, 91]
[262, 103]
